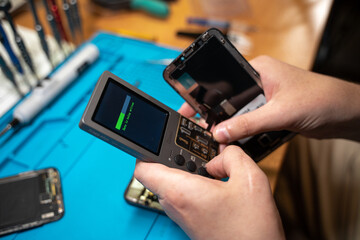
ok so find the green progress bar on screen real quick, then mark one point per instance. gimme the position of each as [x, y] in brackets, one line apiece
[122, 113]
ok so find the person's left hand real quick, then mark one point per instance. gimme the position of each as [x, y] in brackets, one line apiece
[241, 208]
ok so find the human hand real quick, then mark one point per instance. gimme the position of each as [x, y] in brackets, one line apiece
[241, 208]
[312, 104]
[186, 110]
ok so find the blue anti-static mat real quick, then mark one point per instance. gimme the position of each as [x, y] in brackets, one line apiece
[94, 173]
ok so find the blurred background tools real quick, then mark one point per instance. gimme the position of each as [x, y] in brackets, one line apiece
[52, 86]
[75, 13]
[156, 8]
[40, 30]
[222, 24]
[57, 17]
[73, 18]
[54, 26]
[5, 42]
[5, 6]
[27, 56]
[8, 73]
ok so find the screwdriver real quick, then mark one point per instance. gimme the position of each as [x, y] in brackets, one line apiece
[40, 31]
[70, 20]
[55, 11]
[8, 73]
[76, 16]
[5, 6]
[4, 40]
[15, 61]
[52, 23]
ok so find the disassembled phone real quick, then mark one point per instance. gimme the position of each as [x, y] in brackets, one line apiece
[138, 124]
[217, 81]
[136, 194]
[29, 200]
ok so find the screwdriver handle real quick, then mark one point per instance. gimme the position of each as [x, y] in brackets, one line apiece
[10, 51]
[20, 43]
[24, 52]
[40, 30]
[55, 11]
[55, 32]
[9, 74]
[52, 23]
[155, 7]
[76, 16]
[66, 8]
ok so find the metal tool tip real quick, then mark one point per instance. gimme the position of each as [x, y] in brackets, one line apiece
[9, 126]
[5, 130]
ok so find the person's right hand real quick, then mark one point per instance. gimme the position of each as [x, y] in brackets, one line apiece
[240, 208]
[312, 104]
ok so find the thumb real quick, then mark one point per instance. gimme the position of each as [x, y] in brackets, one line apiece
[249, 124]
[157, 177]
[232, 162]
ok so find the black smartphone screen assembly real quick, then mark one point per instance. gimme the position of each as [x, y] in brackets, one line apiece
[30, 199]
[217, 81]
[212, 75]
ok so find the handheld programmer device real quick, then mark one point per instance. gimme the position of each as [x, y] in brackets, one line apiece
[138, 124]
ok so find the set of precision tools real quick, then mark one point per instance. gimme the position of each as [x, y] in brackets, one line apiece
[13, 64]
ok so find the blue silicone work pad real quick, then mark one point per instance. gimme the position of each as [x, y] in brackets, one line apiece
[94, 174]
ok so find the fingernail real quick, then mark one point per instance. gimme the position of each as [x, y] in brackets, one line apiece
[221, 134]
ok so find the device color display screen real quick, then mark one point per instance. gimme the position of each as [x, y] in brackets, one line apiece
[131, 116]
[218, 74]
